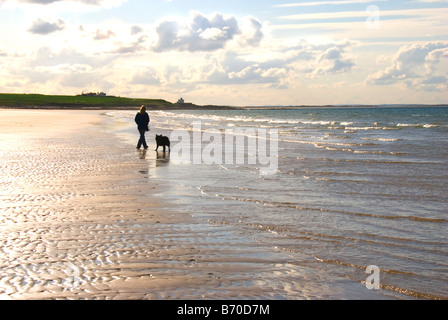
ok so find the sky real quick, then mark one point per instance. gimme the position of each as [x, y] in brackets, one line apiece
[229, 52]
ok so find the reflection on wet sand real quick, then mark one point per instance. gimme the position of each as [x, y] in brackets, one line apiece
[163, 158]
[142, 154]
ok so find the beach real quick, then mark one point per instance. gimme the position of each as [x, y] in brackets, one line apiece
[81, 217]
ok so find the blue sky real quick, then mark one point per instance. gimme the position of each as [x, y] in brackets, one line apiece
[233, 52]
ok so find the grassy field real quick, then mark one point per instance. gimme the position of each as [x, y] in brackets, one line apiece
[12, 100]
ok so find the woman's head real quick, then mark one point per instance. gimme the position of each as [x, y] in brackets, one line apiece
[142, 109]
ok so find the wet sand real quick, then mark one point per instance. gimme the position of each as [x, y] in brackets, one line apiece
[75, 223]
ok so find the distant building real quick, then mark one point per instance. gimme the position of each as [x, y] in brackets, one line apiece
[93, 94]
[180, 101]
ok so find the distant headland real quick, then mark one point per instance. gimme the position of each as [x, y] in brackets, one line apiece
[93, 101]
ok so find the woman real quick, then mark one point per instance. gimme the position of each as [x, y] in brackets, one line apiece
[142, 121]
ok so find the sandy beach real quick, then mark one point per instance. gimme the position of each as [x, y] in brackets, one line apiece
[75, 223]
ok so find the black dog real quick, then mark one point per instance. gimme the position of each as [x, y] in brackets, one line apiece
[163, 141]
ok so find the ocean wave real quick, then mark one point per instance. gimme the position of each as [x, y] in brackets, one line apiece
[368, 128]
[418, 125]
[247, 119]
[382, 139]
[296, 206]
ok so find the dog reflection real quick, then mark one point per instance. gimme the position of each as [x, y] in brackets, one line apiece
[163, 158]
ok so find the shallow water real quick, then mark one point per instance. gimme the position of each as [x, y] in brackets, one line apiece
[354, 187]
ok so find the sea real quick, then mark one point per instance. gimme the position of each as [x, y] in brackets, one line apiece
[342, 190]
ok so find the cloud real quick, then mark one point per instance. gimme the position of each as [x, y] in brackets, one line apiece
[50, 58]
[136, 30]
[67, 68]
[392, 14]
[38, 1]
[104, 35]
[256, 74]
[147, 76]
[132, 47]
[41, 8]
[276, 68]
[105, 3]
[252, 32]
[44, 27]
[84, 79]
[437, 55]
[332, 61]
[321, 3]
[201, 33]
[373, 26]
[420, 66]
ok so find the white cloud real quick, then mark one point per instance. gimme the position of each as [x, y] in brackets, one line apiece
[419, 66]
[212, 34]
[200, 33]
[207, 33]
[332, 61]
[321, 3]
[47, 57]
[252, 32]
[146, 76]
[265, 66]
[55, 8]
[102, 3]
[437, 55]
[47, 70]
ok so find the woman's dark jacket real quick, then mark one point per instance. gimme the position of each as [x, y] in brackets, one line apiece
[142, 120]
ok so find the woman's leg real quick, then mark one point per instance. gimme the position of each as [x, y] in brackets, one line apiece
[142, 140]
